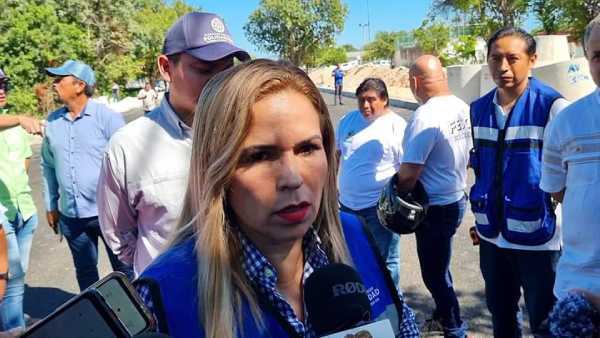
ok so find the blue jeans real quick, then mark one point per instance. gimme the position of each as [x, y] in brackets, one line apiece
[82, 236]
[19, 235]
[505, 271]
[387, 241]
[434, 248]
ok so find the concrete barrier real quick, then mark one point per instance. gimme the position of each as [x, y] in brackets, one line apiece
[552, 49]
[465, 81]
[486, 82]
[571, 78]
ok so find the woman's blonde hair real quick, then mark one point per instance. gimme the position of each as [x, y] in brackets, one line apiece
[222, 121]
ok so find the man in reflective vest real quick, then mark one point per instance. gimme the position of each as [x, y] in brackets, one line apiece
[515, 219]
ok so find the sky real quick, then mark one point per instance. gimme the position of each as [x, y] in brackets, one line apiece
[383, 15]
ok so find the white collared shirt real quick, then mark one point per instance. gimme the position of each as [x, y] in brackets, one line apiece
[143, 183]
[571, 161]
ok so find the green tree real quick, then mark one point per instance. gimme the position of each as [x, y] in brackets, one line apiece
[33, 37]
[384, 45]
[349, 48]
[295, 29]
[433, 38]
[550, 14]
[151, 24]
[119, 39]
[483, 16]
[465, 47]
[578, 13]
[330, 56]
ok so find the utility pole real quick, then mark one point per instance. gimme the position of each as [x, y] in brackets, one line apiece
[363, 31]
[368, 23]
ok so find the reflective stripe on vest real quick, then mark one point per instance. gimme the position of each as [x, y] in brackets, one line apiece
[507, 199]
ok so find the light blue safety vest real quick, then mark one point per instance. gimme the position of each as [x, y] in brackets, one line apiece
[172, 277]
[506, 197]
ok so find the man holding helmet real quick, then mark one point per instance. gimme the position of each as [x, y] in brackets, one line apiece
[436, 147]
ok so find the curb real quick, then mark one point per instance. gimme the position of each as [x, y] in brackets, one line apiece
[393, 102]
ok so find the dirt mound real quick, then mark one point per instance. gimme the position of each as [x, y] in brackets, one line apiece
[396, 79]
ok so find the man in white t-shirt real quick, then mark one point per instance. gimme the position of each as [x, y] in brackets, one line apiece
[571, 173]
[369, 145]
[149, 98]
[436, 149]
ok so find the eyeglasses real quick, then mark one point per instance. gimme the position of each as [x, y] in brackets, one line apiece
[4, 85]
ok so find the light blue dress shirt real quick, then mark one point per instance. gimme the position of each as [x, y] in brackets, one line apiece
[72, 154]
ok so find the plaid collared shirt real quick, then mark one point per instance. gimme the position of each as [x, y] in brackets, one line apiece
[263, 276]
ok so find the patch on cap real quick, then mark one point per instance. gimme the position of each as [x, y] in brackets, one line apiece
[217, 25]
[218, 34]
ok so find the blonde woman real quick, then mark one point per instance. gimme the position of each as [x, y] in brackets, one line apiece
[260, 214]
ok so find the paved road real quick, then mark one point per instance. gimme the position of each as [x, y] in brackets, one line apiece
[465, 261]
[51, 277]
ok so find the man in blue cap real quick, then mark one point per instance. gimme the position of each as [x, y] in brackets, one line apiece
[140, 203]
[76, 138]
[30, 124]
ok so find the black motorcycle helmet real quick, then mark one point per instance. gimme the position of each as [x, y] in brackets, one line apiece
[402, 213]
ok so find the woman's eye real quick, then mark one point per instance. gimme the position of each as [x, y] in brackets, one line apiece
[256, 157]
[308, 148]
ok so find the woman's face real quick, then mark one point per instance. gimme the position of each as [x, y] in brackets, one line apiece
[276, 189]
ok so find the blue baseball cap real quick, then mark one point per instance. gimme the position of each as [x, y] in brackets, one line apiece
[3, 76]
[74, 68]
[203, 36]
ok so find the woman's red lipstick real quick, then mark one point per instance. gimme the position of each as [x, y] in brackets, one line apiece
[294, 213]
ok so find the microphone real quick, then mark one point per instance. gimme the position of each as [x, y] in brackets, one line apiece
[336, 299]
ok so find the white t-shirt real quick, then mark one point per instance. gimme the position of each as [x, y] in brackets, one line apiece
[370, 153]
[149, 99]
[439, 137]
[555, 242]
[571, 160]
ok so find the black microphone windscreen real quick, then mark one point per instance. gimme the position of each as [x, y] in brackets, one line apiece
[335, 299]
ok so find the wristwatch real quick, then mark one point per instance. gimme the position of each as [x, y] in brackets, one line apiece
[4, 276]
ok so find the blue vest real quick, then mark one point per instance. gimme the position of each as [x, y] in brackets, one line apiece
[173, 279]
[506, 197]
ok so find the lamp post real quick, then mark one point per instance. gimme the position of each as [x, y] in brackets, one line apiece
[368, 23]
[364, 27]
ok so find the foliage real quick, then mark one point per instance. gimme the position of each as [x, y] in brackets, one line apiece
[484, 16]
[578, 13]
[461, 50]
[330, 56]
[550, 14]
[22, 101]
[119, 39]
[464, 49]
[151, 24]
[433, 38]
[384, 45]
[295, 29]
[349, 48]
